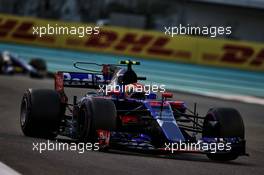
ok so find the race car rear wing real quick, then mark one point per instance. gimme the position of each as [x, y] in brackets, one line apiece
[78, 80]
[93, 78]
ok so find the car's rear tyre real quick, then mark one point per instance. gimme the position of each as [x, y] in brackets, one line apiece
[96, 113]
[40, 113]
[223, 123]
[40, 66]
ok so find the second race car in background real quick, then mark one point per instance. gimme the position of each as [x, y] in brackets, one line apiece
[12, 64]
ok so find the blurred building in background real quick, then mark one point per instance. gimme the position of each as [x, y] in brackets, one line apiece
[245, 16]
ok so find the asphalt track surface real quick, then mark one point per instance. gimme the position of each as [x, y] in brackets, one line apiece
[16, 149]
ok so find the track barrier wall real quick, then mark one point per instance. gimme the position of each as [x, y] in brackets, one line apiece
[138, 43]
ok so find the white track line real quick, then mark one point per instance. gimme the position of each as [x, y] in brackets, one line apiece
[6, 170]
[241, 98]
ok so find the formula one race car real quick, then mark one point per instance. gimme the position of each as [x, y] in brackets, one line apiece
[117, 117]
[12, 64]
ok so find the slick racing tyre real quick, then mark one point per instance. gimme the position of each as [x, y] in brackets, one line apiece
[96, 113]
[223, 123]
[40, 66]
[40, 113]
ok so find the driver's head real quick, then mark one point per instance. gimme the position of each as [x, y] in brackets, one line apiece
[108, 71]
[6, 56]
[129, 77]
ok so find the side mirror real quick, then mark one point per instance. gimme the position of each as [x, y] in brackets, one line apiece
[151, 96]
[167, 95]
[141, 78]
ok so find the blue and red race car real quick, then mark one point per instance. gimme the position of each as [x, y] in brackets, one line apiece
[129, 119]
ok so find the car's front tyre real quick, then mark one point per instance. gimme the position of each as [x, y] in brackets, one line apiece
[224, 123]
[40, 66]
[95, 114]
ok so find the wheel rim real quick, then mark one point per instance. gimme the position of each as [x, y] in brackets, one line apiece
[84, 122]
[23, 113]
[212, 127]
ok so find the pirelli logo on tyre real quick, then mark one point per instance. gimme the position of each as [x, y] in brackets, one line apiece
[138, 43]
